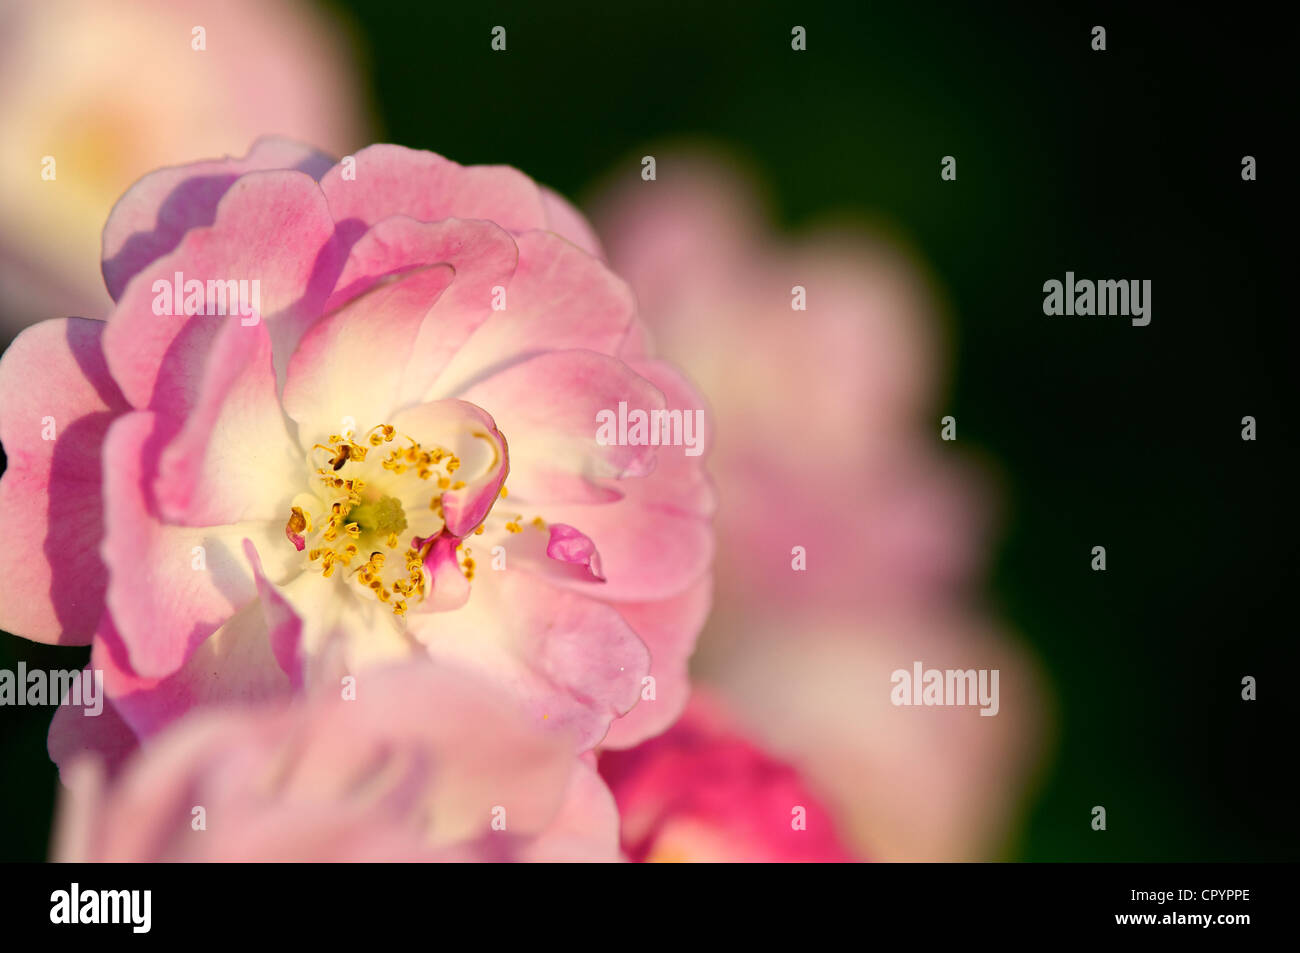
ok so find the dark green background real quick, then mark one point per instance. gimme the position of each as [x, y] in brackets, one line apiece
[1122, 164]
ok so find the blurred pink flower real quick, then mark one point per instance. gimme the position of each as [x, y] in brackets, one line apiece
[826, 420]
[106, 90]
[236, 505]
[904, 783]
[822, 446]
[426, 764]
[701, 792]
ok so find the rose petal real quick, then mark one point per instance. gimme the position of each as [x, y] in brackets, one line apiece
[669, 628]
[566, 221]
[350, 364]
[158, 359]
[54, 382]
[549, 406]
[171, 586]
[393, 180]
[573, 661]
[233, 459]
[559, 298]
[153, 215]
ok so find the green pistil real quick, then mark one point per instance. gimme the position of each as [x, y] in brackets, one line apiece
[383, 516]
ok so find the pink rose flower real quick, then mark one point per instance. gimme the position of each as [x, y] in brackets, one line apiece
[235, 505]
[702, 792]
[426, 764]
[828, 421]
[93, 93]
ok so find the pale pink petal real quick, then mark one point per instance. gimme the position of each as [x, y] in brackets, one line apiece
[669, 628]
[567, 222]
[394, 180]
[680, 479]
[655, 541]
[548, 408]
[559, 298]
[170, 586]
[153, 215]
[349, 366]
[573, 661]
[482, 253]
[54, 383]
[233, 459]
[484, 257]
[158, 359]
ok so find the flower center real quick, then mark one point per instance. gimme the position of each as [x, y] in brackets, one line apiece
[375, 518]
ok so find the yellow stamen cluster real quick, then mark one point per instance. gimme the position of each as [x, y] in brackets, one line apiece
[352, 514]
[415, 457]
[369, 575]
[359, 516]
[423, 462]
